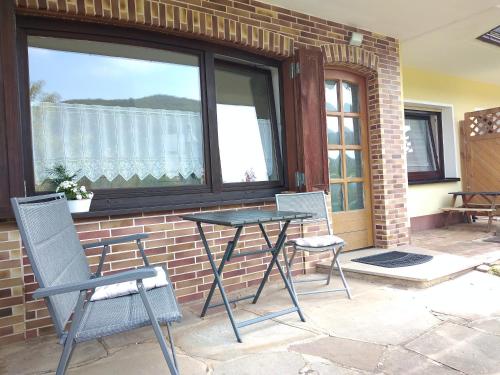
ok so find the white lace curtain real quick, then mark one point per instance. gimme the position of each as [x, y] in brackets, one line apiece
[116, 141]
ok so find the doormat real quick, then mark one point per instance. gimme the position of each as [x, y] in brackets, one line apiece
[394, 259]
[492, 239]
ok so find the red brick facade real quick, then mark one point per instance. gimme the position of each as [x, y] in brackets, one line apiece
[253, 26]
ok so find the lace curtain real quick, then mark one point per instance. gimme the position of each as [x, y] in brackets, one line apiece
[116, 141]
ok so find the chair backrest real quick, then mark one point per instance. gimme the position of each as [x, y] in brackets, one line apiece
[53, 248]
[312, 202]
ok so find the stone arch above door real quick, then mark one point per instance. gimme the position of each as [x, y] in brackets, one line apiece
[353, 58]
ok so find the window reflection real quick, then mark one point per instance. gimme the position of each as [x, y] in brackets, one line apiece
[350, 97]
[244, 123]
[119, 116]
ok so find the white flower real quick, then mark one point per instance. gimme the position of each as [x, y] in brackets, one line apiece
[90, 195]
[75, 190]
[78, 196]
[83, 188]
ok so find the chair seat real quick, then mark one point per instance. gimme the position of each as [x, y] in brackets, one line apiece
[115, 315]
[317, 243]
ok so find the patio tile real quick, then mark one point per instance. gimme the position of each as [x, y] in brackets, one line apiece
[333, 369]
[488, 325]
[144, 358]
[461, 348]
[263, 363]
[213, 337]
[350, 353]
[382, 316]
[471, 297]
[42, 355]
[401, 361]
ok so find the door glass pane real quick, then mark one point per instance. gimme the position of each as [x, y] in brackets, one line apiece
[117, 116]
[355, 195]
[333, 130]
[332, 101]
[352, 131]
[337, 196]
[245, 131]
[335, 163]
[350, 97]
[354, 163]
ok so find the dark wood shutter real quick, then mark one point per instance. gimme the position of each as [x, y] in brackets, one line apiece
[11, 177]
[305, 121]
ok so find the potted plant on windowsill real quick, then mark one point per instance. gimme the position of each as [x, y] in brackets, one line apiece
[78, 197]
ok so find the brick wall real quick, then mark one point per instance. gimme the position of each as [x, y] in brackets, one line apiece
[249, 25]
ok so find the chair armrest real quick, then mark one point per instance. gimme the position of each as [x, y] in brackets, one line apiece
[137, 274]
[116, 240]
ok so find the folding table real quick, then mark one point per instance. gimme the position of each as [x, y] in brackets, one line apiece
[238, 220]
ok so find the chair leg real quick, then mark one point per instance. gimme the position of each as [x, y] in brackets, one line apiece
[344, 281]
[156, 328]
[69, 345]
[172, 347]
[288, 265]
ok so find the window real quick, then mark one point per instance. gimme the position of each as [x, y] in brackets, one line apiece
[244, 118]
[119, 116]
[424, 145]
[150, 122]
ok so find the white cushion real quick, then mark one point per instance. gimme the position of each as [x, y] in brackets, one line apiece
[130, 287]
[318, 241]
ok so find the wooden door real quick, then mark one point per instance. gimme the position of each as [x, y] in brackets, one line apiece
[348, 158]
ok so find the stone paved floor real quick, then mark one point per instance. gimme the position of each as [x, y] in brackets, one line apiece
[451, 328]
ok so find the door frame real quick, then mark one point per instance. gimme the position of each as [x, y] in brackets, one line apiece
[342, 73]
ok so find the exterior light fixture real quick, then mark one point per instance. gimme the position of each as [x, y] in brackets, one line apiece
[356, 39]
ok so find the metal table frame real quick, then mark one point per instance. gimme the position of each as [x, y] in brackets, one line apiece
[266, 217]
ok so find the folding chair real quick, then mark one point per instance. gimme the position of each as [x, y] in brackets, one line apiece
[66, 283]
[314, 203]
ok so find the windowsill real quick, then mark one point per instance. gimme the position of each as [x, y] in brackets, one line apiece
[436, 181]
[171, 207]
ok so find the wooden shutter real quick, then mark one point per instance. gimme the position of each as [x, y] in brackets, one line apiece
[305, 120]
[11, 177]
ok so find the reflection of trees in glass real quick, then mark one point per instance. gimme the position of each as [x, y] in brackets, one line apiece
[38, 95]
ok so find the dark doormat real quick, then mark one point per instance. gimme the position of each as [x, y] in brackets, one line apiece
[492, 239]
[394, 259]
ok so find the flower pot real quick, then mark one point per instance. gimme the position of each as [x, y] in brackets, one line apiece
[82, 205]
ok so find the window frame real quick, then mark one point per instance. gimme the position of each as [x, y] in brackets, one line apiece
[125, 200]
[437, 146]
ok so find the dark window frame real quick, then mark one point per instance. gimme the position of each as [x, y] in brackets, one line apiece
[125, 200]
[437, 146]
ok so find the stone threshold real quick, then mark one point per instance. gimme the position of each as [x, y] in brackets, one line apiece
[441, 268]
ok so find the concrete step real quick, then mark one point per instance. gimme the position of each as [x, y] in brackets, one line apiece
[441, 268]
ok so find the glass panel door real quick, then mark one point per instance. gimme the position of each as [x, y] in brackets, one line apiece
[345, 152]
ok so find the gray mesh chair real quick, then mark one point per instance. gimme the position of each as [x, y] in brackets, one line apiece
[314, 203]
[66, 283]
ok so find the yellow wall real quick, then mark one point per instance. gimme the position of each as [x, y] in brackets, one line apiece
[465, 96]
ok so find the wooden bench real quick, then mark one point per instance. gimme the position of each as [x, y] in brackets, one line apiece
[469, 210]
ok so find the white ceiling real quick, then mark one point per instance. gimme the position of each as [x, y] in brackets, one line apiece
[437, 35]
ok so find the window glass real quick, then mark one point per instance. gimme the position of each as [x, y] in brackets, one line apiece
[332, 101]
[118, 116]
[352, 131]
[355, 195]
[332, 124]
[337, 197]
[335, 163]
[421, 151]
[244, 124]
[350, 97]
[354, 163]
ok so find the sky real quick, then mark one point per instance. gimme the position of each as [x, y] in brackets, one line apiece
[76, 75]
